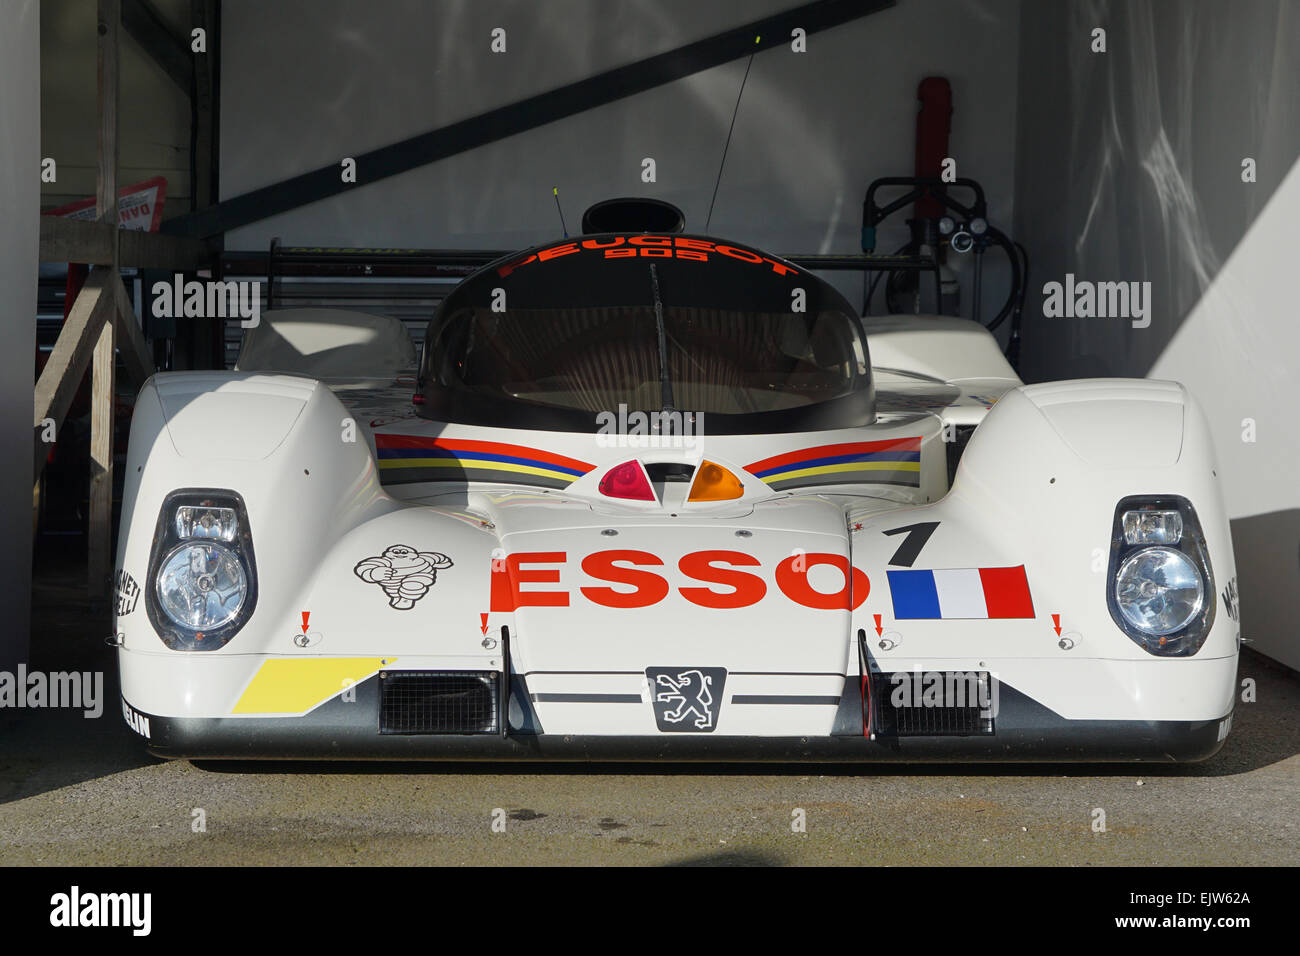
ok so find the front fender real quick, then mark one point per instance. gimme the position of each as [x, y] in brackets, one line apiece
[1038, 487]
[311, 488]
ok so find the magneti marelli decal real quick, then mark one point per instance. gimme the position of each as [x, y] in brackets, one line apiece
[128, 592]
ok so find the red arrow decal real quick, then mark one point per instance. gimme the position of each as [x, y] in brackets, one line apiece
[1056, 624]
[305, 615]
[879, 629]
[483, 623]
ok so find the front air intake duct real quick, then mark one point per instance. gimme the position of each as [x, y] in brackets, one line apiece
[439, 702]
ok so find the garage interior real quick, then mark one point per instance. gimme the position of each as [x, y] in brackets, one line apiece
[1163, 149]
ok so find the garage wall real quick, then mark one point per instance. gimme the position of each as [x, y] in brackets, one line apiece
[20, 159]
[154, 120]
[1130, 168]
[300, 91]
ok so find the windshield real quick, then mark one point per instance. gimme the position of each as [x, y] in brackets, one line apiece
[648, 323]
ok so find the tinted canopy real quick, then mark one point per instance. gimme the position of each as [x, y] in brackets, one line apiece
[553, 336]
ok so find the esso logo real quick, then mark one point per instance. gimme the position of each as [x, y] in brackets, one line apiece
[723, 580]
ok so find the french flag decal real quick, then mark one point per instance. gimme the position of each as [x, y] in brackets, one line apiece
[990, 593]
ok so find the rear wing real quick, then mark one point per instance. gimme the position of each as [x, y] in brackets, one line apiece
[408, 284]
[339, 262]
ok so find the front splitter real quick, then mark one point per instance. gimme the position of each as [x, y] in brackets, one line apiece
[1025, 731]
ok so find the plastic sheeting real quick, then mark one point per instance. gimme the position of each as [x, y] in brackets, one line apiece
[1130, 168]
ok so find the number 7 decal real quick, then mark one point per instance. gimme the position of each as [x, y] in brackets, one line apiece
[917, 536]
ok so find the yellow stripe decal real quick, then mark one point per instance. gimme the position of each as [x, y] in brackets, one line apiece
[295, 685]
[847, 466]
[469, 464]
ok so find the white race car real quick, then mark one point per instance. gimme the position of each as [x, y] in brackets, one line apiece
[663, 496]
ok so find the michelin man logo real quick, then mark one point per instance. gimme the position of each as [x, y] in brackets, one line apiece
[686, 698]
[403, 573]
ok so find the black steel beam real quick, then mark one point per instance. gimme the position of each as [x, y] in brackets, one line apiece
[526, 114]
[205, 106]
[147, 27]
[455, 263]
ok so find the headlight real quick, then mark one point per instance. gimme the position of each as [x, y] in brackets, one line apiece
[1160, 587]
[1152, 526]
[198, 522]
[201, 586]
[202, 576]
[1159, 591]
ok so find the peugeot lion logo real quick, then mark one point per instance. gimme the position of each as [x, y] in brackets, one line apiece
[686, 699]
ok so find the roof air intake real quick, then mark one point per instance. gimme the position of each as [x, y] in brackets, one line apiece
[631, 214]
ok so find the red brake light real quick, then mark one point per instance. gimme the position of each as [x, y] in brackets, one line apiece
[628, 481]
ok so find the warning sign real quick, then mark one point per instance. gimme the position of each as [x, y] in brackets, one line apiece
[138, 206]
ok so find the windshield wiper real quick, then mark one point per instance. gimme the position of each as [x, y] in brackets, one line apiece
[665, 380]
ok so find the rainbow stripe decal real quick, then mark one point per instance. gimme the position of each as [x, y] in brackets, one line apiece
[896, 461]
[404, 459]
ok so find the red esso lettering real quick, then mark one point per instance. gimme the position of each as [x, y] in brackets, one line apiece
[717, 568]
[792, 579]
[508, 575]
[746, 588]
[650, 588]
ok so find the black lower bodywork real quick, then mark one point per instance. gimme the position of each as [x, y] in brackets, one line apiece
[1024, 732]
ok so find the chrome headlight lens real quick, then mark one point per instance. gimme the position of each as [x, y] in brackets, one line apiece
[197, 522]
[202, 576]
[1159, 590]
[1152, 526]
[201, 586]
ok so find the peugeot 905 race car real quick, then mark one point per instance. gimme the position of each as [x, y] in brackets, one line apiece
[665, 496]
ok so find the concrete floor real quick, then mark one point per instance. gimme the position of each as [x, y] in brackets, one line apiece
[77, 791]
